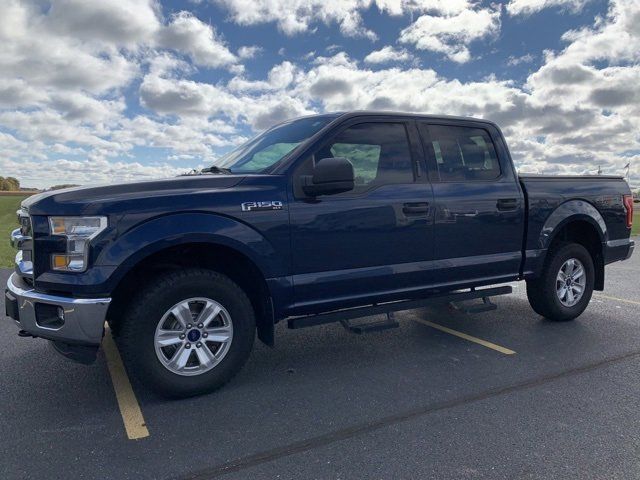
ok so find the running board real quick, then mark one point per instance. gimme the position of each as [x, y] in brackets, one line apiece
[486, 306]
[383, 308]
[369, 327]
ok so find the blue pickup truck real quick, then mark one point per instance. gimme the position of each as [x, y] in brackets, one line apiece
[326, 218]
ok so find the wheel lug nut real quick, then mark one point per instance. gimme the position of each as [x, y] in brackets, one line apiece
[200, 325]
[198, 344]
[205, 335]
[182, 336]
[189, 325]
[188, 345]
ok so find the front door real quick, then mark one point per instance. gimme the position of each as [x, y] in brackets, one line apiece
[369, 242]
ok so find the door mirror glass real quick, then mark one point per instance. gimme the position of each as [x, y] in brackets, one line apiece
[330, 176]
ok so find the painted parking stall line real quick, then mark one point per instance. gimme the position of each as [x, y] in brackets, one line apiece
[130, 411]
[465, 336]
[623, 300]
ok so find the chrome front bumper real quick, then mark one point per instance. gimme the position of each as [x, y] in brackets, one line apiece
[82, 322]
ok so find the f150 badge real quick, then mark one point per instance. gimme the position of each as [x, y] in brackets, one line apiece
[258, 206]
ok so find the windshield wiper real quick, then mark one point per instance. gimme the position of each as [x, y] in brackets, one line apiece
[216, 169]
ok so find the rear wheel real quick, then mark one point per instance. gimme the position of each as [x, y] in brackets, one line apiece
[188, 333]
[564, 289]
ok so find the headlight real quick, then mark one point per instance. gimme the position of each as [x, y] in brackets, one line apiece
[79, 232]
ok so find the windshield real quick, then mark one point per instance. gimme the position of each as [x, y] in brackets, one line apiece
[263, 151]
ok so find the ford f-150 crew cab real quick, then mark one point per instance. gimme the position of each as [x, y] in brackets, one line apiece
[323, 218]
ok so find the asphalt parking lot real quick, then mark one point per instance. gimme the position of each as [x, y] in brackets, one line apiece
[413, 402]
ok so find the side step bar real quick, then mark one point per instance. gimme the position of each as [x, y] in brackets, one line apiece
[368, 327]
[358, 312]
[486, 306]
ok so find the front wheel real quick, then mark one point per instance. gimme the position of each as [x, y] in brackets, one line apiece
[563, 290]
[188, 333]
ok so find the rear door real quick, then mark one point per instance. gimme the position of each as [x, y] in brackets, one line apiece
[478, 204]
[374, 240]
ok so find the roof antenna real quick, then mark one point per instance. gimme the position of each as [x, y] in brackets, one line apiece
[627, 167]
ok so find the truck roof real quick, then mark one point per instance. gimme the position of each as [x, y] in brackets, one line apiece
[387, 113]
[426, 116]
[542, 176]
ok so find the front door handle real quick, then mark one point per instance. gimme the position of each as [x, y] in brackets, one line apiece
[416, 208]
[505, 204]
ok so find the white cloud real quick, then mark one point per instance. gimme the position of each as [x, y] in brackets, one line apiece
[186, 33]
[249, 51]
[297, 16]
[514, 61]
[186, 98]
[614, 39]
[117, 23]
[64, 171]
[91, 48]
[51, 126]
[64, 68]
[75, 106]
[452, 34]
[270, 109]
[15, 92]
[528, 7]
[170, 96]
[188, 136]
[580, 109]
[595, 83]
[342, 85]
[46, 60]
[66, 96]
[279, 77]
[388, 54]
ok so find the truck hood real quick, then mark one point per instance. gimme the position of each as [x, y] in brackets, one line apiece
[97, 199]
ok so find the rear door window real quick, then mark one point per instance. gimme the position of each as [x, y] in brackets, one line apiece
[463, 154]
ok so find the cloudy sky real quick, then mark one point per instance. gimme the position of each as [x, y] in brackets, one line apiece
[123, 90]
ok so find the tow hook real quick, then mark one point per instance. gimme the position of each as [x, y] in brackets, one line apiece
[24, 333]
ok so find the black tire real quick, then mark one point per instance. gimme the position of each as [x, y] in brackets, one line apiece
[143, 313]
[542, 293]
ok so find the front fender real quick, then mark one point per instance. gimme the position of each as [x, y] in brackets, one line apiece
[570, 211]
[178, 229]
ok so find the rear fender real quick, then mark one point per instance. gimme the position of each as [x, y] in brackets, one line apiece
[573, 210]
[568, 212]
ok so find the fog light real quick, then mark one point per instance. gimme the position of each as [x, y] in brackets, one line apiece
[49, 316]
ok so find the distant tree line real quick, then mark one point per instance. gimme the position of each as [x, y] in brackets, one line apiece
[12, 184]
[9, 184]
[64, 185]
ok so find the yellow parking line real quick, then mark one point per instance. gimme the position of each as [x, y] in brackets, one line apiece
[633, 302]
[132, 417]
[470, 338]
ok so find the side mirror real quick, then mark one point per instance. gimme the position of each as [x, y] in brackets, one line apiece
[330, 176]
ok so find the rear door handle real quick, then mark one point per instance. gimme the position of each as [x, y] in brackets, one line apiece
[507, 204]
[416, 208]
